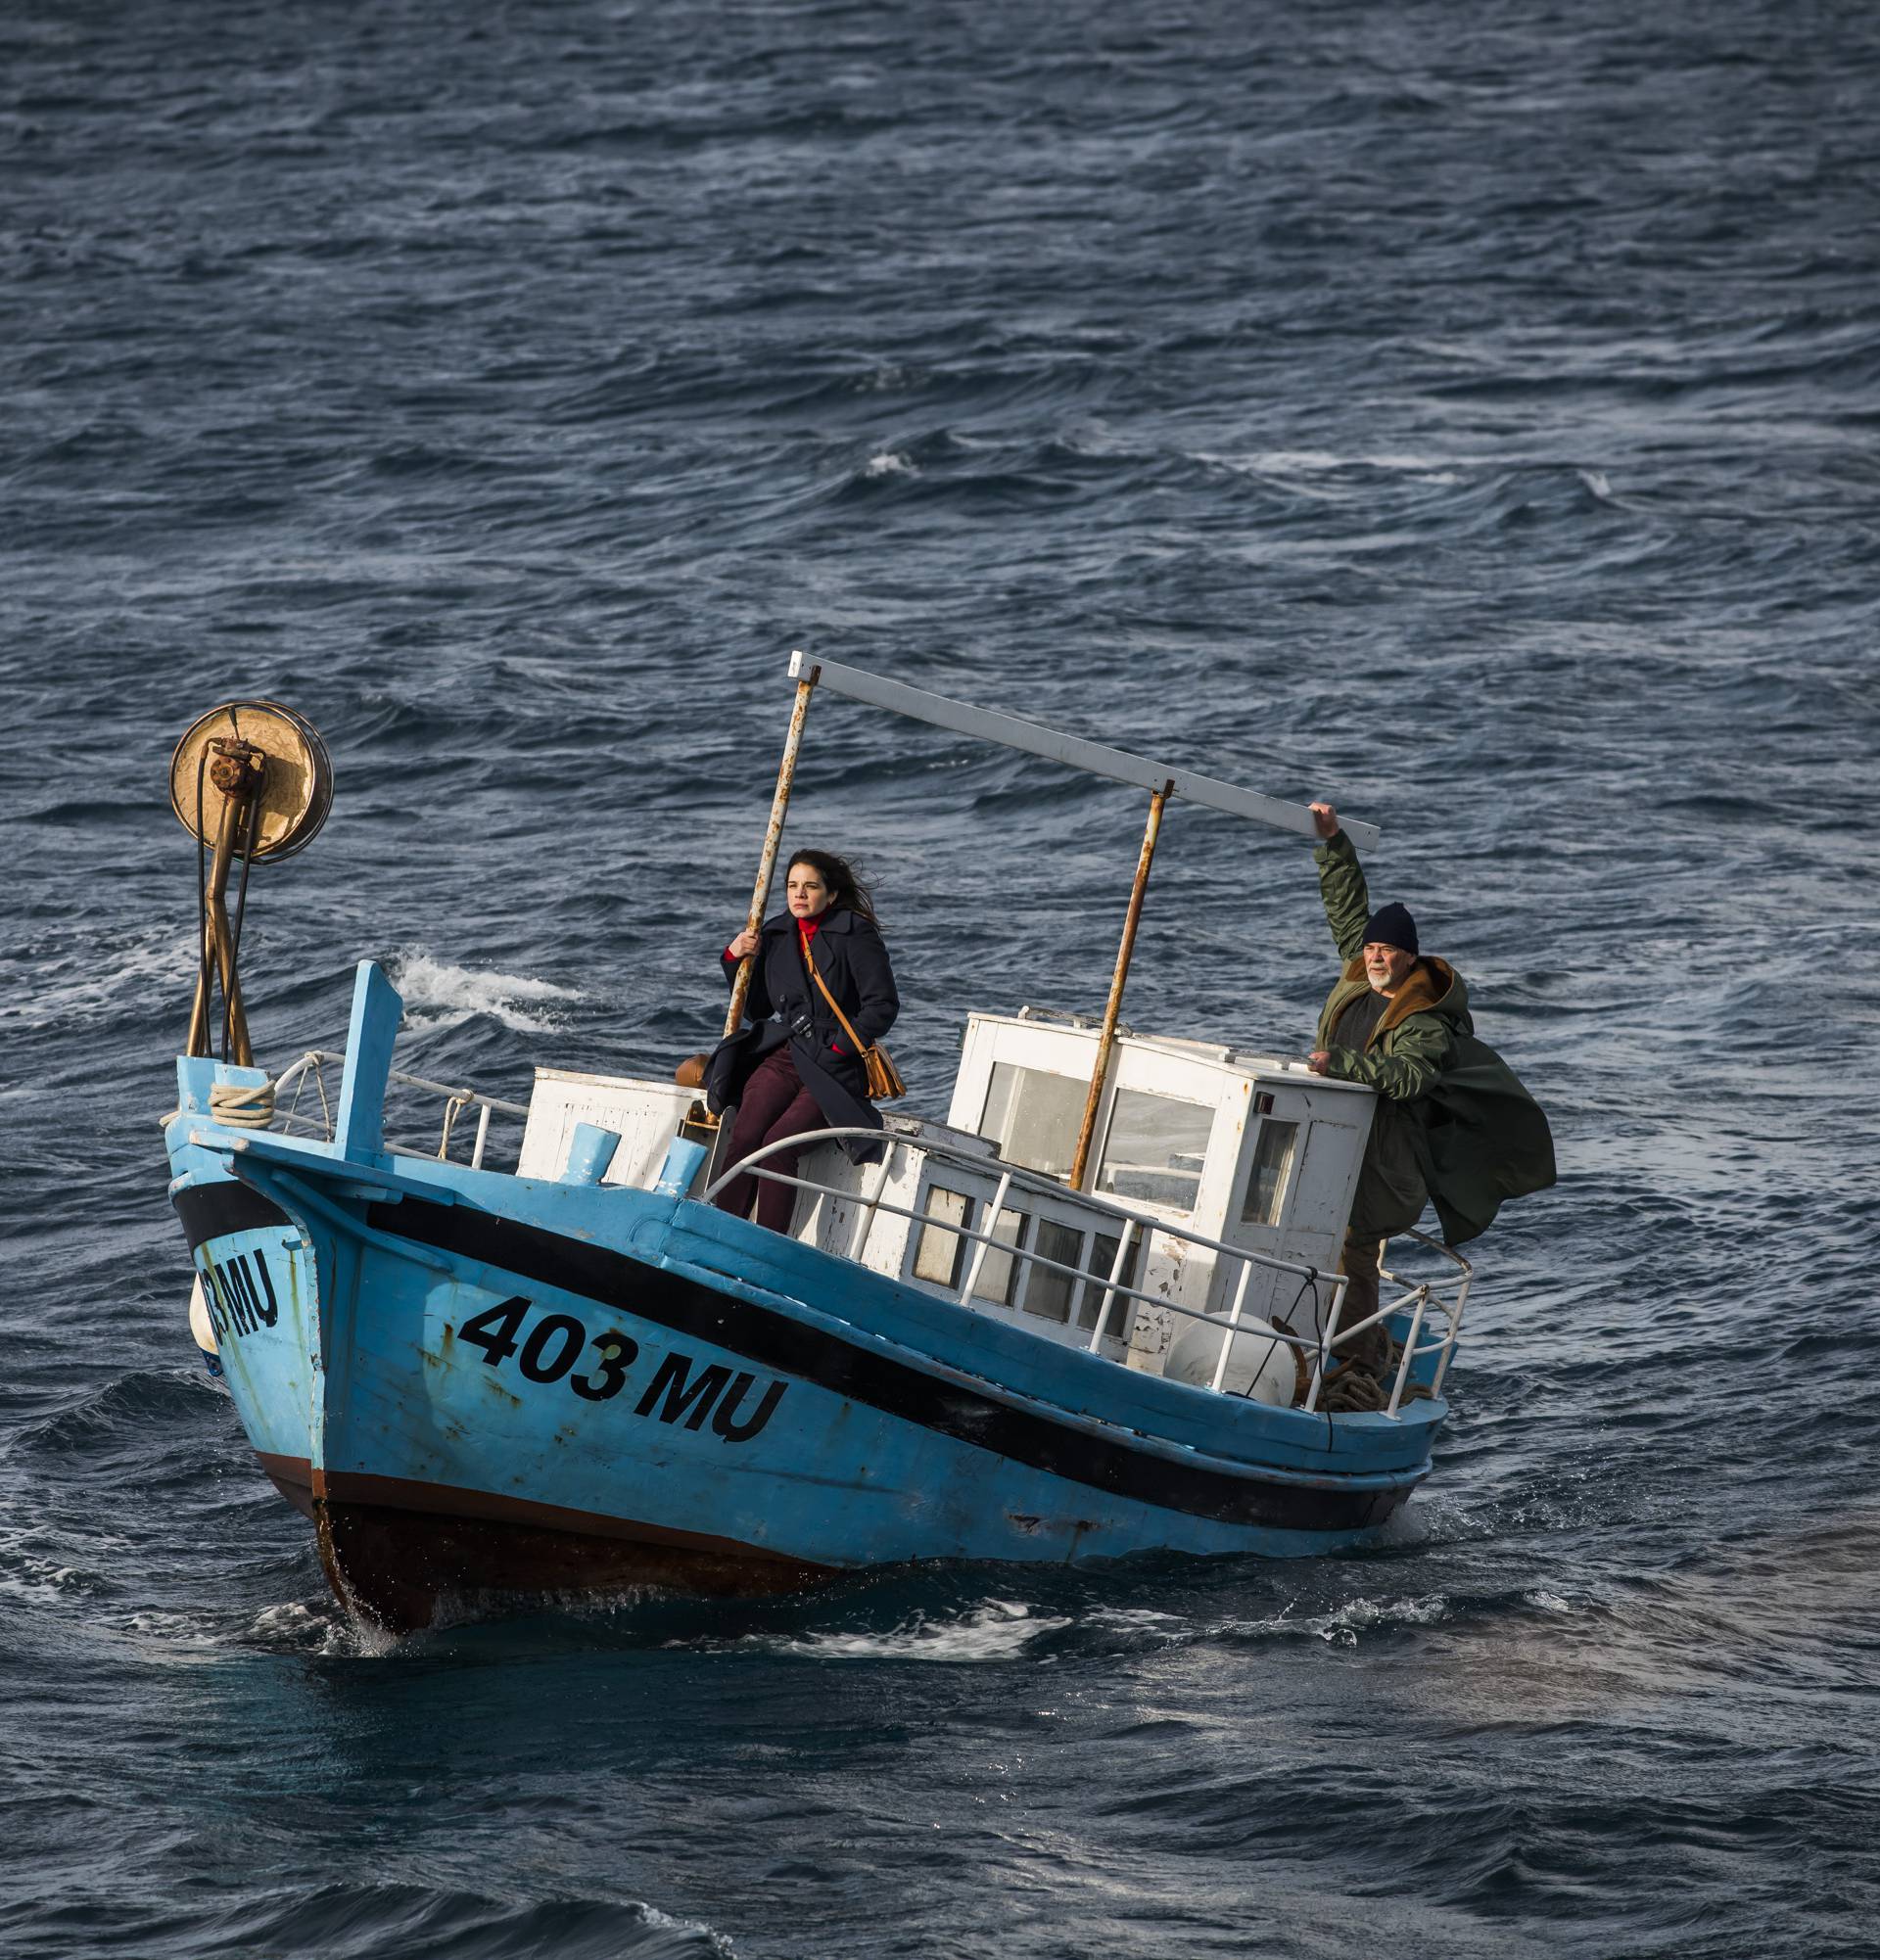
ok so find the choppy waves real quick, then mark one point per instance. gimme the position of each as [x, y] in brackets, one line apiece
[1465, 416]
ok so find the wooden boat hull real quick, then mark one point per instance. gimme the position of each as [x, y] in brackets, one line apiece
[484, 1388]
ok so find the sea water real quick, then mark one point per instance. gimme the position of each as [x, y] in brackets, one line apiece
[1467, 412]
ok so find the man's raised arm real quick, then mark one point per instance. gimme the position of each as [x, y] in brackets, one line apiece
[1347, 903]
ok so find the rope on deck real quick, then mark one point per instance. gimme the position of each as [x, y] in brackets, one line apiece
[242, 1105]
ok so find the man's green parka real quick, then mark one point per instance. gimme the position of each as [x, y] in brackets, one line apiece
[1452, 1121]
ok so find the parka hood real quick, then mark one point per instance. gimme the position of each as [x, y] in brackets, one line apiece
[1434, 987]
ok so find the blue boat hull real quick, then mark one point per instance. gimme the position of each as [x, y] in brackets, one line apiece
[481, 1386]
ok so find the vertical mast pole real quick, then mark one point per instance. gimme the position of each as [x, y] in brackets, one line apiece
[772, 836]
[238, 773]
[1106, 1041]
[216, 963]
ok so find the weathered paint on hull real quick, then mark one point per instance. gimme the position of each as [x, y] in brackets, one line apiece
[259, 1286]
[490, 1406]
[397, 1554]
[394, 1552]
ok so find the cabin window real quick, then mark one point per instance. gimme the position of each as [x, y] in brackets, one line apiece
[941, 1253]
[996, 1268]
[1156, 1148]
[1034, 1117]
[1266, 1182]
[1103, 1256]
[1047, 1293]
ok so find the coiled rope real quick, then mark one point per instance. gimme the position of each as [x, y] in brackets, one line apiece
[1351, 1388]
[242, 1105]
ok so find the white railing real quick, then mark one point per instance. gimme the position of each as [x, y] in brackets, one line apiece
[455, 1101]
[1135, 1226]
[1423, 1300]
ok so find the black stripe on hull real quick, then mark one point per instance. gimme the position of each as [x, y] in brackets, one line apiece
[787, 1346]
[212, 1211]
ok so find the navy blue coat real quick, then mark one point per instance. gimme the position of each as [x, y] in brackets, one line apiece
[853, 966]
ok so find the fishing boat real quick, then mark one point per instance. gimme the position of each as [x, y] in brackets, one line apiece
[1089, 1316]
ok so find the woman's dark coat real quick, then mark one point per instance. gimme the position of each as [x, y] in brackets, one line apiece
[784, 1005]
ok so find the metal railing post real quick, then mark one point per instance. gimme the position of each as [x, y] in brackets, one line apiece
[1339, 1283]
[865, 1223]
[1455, 1327]
[1117, 1266]
[1233, 1324]
[1409, 1350]
[979, 1250]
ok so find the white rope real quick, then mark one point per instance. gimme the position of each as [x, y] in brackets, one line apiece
[454, 1106]
[240, 1105]
[315, 1070]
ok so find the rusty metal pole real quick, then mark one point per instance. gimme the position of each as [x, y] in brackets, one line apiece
[218, 954]
[772, 836]
[1106, 1041]
[212, 950]
[237, 773]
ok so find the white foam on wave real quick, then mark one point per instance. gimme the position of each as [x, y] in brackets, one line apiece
[664, 1921]
[32, 1576]
[362, 1640]
[999, 1630]
[438, 994]
[1322, 462]
[289, 1626]
[173, 1639]
[88, 981]
[290, 1620]
[1344, 1628]
[326, 1631]
[1136, 1620]
[1340, 1626]
[888, 463]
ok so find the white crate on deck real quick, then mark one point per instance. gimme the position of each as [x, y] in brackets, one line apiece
[645, 1114]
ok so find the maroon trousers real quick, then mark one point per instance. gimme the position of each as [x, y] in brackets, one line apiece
[775, 1105]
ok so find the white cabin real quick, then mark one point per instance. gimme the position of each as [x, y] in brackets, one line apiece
[1201, 1139]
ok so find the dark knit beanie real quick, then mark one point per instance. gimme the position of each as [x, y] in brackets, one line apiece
[1392, 925]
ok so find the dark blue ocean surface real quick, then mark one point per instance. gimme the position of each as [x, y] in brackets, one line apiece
[1468, 411]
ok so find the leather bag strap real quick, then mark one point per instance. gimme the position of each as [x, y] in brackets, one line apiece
[809, 960]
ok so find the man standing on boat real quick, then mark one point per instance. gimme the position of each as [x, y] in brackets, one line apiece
[1452, 1124]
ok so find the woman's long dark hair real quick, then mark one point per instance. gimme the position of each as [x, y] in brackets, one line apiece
[845, 888]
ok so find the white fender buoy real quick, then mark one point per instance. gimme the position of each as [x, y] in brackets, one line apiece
[1259, 1363]
[202, 1328]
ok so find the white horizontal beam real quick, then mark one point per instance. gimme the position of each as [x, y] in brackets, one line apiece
[1035, 739]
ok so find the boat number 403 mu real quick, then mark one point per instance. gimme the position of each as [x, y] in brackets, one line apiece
[675, 1393]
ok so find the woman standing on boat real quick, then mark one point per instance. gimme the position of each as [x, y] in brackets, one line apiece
[792, 1067]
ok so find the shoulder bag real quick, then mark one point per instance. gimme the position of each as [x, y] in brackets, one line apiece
[884, 1079]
